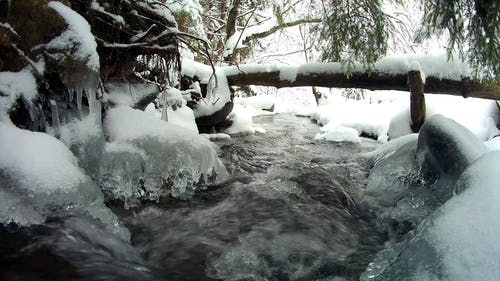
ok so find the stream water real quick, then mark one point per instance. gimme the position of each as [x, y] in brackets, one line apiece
[290, 212]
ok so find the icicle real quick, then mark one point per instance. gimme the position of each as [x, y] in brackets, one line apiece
[164, 115]
[43, 120]
[70, 95]
[94, 106]
[79, 102]
[55, 117]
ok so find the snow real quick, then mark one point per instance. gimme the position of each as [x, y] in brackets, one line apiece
[77, 35]
[434, 64]
[129, 94]
[218, 93]
[472, 113]
[47, 170]
[242, 122]
[15, 85]
[158, 8]
[370, 119]
[338, 134]
[117, 18]
[493, 144]
[257, 105]
[137, 124]
[465, 231]
[217, 136]
[182, 116]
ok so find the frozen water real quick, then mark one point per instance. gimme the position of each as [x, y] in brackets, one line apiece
[178, 158]
[48, 181]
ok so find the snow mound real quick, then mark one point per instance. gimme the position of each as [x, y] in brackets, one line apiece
[179, 160]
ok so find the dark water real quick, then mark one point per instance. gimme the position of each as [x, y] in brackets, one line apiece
[290, 212]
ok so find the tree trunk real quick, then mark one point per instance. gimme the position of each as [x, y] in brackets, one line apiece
[417, 100]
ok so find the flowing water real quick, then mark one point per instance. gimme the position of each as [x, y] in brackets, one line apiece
[290, 212]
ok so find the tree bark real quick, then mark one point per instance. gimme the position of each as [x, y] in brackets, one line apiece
[417, 100]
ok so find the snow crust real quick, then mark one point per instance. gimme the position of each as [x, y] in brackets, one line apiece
[78, 35]
[15, 85]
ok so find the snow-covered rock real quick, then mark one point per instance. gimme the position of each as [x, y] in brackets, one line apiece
[459, 241]
[412, 177]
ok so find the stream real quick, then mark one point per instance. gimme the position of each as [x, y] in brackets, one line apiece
[291, 211]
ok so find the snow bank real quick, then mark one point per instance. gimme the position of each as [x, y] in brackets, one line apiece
[39, 162]
[78, 35]
[472, 113]
[15, 85]
[366, 118]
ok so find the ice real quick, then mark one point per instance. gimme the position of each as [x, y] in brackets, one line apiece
[175, 155]
[79, 94]
[94, 106]
[46, 178]
[86, 140]
[459, 241]
[55, 117]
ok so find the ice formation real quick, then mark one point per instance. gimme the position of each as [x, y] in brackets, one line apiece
[177, 159]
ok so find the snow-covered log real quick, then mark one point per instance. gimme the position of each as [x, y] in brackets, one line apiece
[439, 75]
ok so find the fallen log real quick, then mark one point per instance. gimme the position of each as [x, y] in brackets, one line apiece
[331, 75]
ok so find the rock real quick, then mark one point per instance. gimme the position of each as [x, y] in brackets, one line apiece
[446, 146]
[206, 123]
